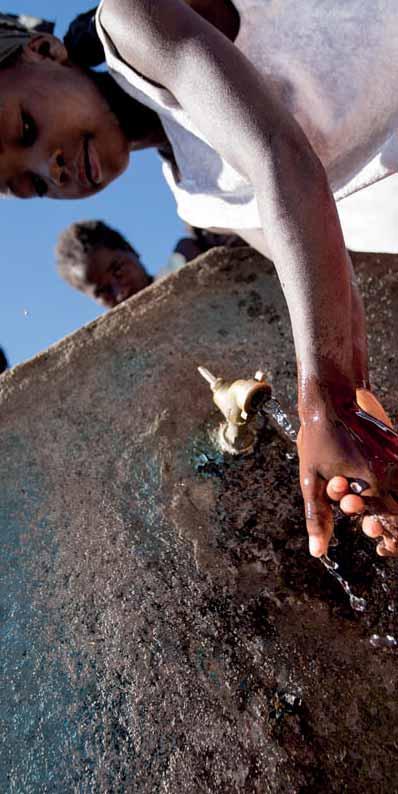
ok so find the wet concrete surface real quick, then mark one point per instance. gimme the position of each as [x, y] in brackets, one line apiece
[163, 627]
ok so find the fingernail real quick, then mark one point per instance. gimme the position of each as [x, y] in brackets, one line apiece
[316, 547]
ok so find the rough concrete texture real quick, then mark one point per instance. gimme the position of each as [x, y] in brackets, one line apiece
[163, 627]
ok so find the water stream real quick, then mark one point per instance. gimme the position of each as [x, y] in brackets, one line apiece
[273, 410]
[357, 603]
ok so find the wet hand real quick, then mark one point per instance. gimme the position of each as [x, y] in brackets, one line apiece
[337, 451]
[381, 519]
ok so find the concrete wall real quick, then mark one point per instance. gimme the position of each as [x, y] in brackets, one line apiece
[163, 628]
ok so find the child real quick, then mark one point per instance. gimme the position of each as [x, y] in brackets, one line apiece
[265, 106]
[97, 260]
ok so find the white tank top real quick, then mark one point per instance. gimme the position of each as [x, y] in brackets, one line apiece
[334, 64]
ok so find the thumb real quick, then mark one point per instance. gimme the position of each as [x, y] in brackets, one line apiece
[318, 513]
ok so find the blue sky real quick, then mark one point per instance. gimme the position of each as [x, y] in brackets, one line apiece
[36, 307]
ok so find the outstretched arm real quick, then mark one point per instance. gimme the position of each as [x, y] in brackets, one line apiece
[236, 110]
[239, 115]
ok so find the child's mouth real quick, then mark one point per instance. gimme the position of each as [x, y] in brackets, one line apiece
[90, 172]
[92, 162]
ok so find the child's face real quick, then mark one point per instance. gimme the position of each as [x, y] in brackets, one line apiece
[58, 136]
[113, 276]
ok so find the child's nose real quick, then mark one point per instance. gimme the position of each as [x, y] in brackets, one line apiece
[58, 169]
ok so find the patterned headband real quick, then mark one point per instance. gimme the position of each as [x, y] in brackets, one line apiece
[15, 32]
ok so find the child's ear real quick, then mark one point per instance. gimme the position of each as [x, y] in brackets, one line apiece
[44, 47]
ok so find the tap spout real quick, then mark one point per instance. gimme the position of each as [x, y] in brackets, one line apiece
[239, 401]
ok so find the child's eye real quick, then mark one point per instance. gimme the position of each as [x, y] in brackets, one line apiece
[39, 185]
[29, 130]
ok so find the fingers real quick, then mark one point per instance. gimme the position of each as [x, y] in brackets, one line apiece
[352, 505]
[319, 517]
[318, 514]
[374, 527]
[380, 524]
[388, 547]
[339, 489]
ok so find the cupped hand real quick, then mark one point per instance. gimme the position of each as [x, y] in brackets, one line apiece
[350, 457]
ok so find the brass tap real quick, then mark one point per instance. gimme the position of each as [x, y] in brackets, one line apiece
[239, 401]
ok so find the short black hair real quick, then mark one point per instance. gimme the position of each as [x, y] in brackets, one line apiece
[3, 361]
[77, 243]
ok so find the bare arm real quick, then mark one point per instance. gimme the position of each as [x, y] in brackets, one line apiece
[239, 115]
[236, 110]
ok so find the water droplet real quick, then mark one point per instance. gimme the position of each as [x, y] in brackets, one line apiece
[359, 604]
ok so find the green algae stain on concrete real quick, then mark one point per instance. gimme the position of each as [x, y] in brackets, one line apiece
[205, 456]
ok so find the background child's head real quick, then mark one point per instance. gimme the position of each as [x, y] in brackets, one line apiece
[3, 361]
[97, 260]
[59, 136]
